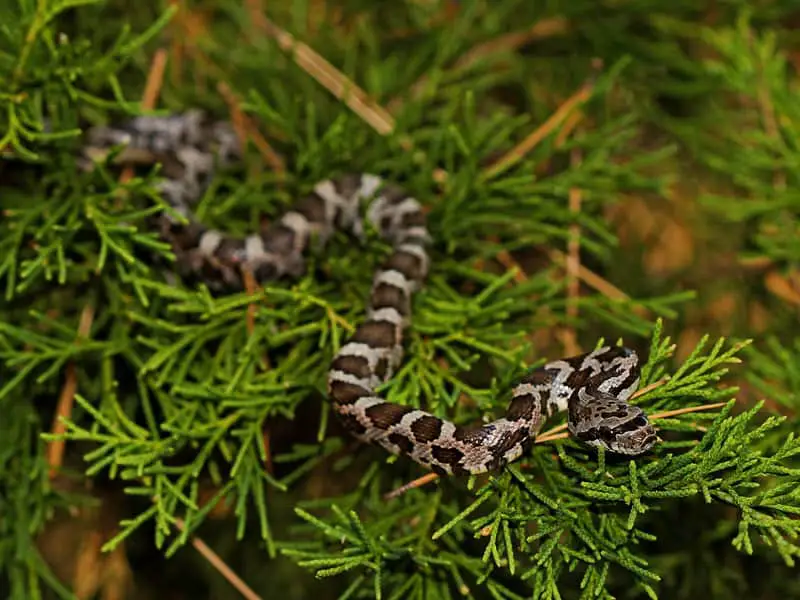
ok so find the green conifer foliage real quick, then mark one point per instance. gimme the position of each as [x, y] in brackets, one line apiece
[493, 113]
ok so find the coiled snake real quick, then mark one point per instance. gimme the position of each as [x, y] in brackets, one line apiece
[593, 388]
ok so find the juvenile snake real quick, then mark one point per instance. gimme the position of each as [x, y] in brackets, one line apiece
[593, 388]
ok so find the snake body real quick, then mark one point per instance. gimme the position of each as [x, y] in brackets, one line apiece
[593, 388]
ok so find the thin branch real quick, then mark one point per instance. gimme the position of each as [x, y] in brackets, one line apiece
[684, 411]
[569, 338]
[251, 287]
[419, 482]
[782, 287]
[66, 399]
[504, 258]
[591, 279]
[518, 152]
[220, 565]
[649, 388]
[246, 129]
[155, 79]
[325, 73]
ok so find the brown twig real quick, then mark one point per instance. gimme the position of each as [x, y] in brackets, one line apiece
[325, 73]
[583, 273]
[245, 128]
[651, 387]
[251, 286]
[590, 278]
[418, 482]
[66, 399]
[519, 151]
[220, 565]
[569, 338]
[782, 287]
[684, 411]
[155, 79]
[192, 26]
[569, 126]
[504, 258]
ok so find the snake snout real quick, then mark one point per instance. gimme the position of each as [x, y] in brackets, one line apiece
[636, 441]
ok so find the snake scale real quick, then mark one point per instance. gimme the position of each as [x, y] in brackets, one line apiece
[593, 388]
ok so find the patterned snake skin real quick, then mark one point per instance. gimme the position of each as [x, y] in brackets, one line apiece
[593, 388]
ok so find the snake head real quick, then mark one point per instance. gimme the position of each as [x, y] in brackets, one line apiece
[636, 438]
[602, 420]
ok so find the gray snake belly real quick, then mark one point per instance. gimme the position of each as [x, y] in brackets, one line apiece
[593, 388]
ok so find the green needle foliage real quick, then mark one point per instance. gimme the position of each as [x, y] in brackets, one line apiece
[177, 387]
[572, 510]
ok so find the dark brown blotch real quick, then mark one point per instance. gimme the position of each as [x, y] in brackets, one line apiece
[386, 295]
[228, 249]
[312, 207]
[538, 377]
[408, 264]
[382, 367]
[265, 271]
[576, 361]
[626, 383]
[615, 352]
[347, 185]
[407, 237]
[375, 334]
[426, 428]
[355, 365]
[386, 414]
[352, 424]
[603, 434]
[402, 442]
[344, 392]
[638, 423]
[522, 407]
[438, 470]
[517, 436]
[413, 219]
[620, 412]
[448, 456]
[279, 239]
[393, 194]
[578, 379]
[385, 223]
[474, 436]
